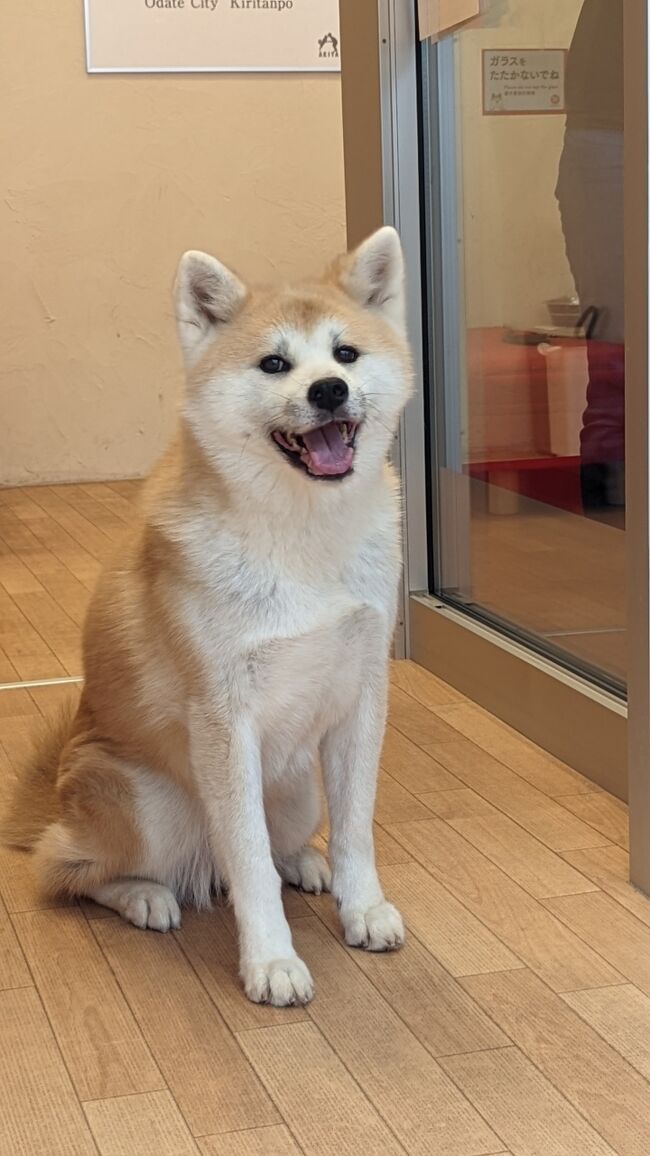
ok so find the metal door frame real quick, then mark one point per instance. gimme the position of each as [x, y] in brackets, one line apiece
[637, 363]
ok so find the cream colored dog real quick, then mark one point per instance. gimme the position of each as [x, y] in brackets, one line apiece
[243, 631]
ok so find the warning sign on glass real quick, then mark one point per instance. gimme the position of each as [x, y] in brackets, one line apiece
[523, 81]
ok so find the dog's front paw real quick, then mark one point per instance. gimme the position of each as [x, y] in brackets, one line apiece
[281, 982]
[380, 928]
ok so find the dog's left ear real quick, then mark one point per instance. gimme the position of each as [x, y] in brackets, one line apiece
[207, 295]
[373, 274]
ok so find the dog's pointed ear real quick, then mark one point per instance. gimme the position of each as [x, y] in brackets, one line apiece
[373, 275]
[207, 295]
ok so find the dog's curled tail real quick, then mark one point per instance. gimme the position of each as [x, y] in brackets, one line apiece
[34, 804]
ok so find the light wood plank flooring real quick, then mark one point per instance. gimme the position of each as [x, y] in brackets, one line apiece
[516, 1019]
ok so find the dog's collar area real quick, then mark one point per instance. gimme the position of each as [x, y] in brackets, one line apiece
[326, 452]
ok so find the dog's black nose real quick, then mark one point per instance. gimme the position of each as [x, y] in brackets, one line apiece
[328, 394]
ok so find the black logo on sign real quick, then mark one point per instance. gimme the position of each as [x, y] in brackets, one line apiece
[328, 47]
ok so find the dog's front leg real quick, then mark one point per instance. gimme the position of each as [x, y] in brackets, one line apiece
[350, 759]
[228, 768]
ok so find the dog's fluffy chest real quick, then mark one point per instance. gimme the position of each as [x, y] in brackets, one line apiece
[299, 687]
[272, 585]
[293, 645]
[286, 631]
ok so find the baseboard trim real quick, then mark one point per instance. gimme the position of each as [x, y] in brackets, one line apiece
[36, 682]
[580, 724]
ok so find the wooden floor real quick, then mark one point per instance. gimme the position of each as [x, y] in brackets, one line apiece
[53, 540]
[516, 1019]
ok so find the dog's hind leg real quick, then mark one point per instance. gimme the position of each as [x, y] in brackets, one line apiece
[106, 843]
[69, 862]
[140, 901]
[293, 812]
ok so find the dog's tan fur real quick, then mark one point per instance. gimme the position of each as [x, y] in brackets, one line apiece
[83, 805]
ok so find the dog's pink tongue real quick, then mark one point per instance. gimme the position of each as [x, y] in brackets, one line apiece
[328, 453]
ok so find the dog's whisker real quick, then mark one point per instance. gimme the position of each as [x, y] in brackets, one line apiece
[244, 445]
[376, 412]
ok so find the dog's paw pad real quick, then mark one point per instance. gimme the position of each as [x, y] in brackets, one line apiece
[308, 870]
[281, 982]
[380, 928]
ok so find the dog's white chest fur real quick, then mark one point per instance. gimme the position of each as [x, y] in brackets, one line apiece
[302, 686]
[298, 647]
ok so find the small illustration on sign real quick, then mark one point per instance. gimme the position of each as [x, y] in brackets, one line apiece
[328, 47]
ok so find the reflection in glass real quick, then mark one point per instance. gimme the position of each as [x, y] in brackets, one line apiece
[527, 363]
[590, 196]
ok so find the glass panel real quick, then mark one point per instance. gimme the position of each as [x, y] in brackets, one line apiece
[524, 181]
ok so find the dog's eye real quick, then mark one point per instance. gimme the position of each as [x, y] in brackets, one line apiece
[346, 354]
[274, 365]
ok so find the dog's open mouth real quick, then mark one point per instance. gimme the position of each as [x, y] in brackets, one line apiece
[326, 452]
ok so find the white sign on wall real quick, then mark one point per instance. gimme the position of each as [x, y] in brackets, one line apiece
[212, 36]
[523, 80]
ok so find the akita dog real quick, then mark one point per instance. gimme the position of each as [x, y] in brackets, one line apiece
[241, 636]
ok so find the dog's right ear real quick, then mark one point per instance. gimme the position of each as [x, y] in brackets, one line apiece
[207, 295]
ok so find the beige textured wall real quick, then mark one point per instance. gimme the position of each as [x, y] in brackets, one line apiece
[107, 179]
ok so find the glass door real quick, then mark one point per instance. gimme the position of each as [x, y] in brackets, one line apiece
[524, 377]
[503, 156]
